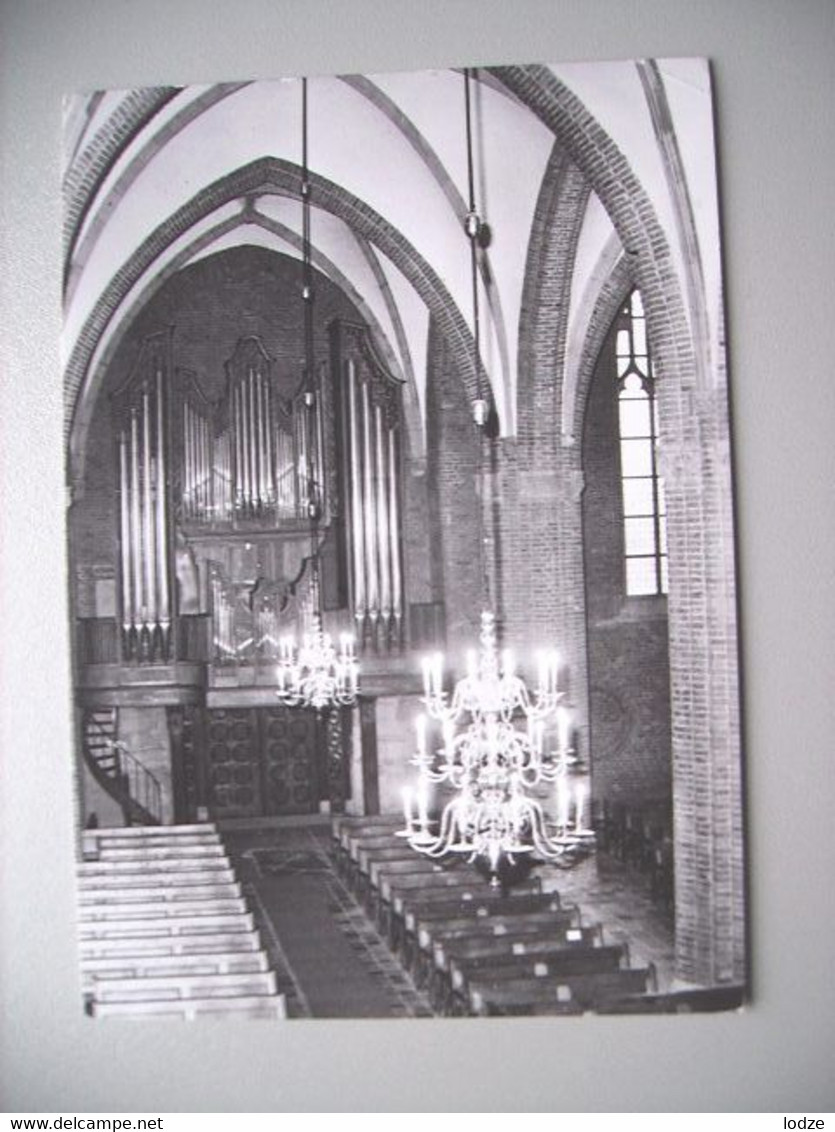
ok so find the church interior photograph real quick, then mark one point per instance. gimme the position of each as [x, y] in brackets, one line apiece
[402, 576]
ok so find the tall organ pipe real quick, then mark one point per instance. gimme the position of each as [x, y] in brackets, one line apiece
[185, 460]
[147, 514]
[247, 449]
[162, 518]
[189, 460]
[204, 471]
[207, 467]
[135, 524]
[256, 439]
[236, 456]
[268, 441]
[394, 526]
[382, 517]
[369, 508]
[320, 438]
[243, 467]
[262, 466]
[128, 614]
[199, 460]
[252, 443]
[356, 499]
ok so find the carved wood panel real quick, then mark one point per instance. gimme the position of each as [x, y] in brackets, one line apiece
[289, 741]
[233, 763]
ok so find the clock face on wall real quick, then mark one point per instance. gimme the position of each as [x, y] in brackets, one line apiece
[402, 545]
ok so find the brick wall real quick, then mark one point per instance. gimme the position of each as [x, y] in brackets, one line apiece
[454, 503]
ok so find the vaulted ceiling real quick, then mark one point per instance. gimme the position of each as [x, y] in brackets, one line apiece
[156, 179]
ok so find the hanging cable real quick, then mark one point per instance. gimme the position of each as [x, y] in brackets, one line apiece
[472, 225]
[309, 384]
[473, 228]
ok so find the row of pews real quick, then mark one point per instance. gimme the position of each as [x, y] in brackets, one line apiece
[479, 949]
[164, 928]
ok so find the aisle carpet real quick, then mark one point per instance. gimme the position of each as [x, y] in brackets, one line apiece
[330, 961]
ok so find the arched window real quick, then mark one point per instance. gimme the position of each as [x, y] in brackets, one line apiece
[644, 512]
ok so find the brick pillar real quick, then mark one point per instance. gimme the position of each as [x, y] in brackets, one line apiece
[710, 923]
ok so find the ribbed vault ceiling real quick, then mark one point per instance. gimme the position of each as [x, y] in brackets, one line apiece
[392, 145]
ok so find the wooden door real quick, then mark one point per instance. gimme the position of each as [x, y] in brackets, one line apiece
[257, 762]
[289, 752]
[233, 763]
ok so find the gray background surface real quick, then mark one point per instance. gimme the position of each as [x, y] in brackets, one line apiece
[773, 67]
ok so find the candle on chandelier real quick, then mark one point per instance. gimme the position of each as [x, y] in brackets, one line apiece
[423, 803]
[407, 806]
[426, 666]
[449, 739]
[562, 730]
[542, 665]
[579, 799]
[437, 673]
[538, 735]
[420, 728]
[563, 803]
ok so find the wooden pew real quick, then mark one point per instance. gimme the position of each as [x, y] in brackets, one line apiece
[344, 829]
[434, 907]
[399, 893]
[553, 994]
[353, 864]
[695, 1000]
[550, 963]
[403, 894]
[503, 940]
[345, 824]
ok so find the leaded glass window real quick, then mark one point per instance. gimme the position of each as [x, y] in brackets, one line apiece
[644, 510]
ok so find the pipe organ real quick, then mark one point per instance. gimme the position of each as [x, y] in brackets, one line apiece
[238, 454]
[254, 474]
[145, 583]
[371, 454]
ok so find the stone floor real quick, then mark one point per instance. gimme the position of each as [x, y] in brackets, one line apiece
[617, 896]
[332, 963]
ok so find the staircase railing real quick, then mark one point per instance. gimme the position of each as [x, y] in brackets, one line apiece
[143, 786]
[126, 779]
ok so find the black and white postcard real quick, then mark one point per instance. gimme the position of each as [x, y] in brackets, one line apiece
[401, 544]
